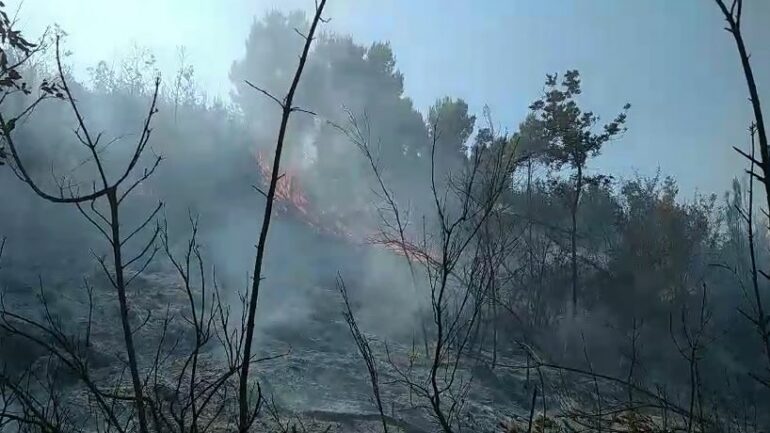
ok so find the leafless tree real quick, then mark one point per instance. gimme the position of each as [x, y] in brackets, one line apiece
[200, 393]
[759, 318]
[457, 274]
[694, 341]
[394, 221]
[500, 240]
[199, 397]
[114, 192]
[187, 390]
[733, 15]
[362, 343]
[247, 409]
[756, 315]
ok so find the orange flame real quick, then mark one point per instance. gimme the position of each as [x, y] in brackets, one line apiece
[291, 199]
[287, 189]
[405, 248]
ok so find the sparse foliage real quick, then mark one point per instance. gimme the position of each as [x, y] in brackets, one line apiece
[571, 140]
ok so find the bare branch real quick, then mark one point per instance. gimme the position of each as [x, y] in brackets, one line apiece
[266, 93]
[245, 415]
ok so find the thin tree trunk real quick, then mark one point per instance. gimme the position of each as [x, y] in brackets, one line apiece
[756, 106]
[529, 217]
[245, 419]
[733, 18]
[691, 410]
[531, 249]
[761, 322]
[494, 328]
[120, 286]
[573, 238]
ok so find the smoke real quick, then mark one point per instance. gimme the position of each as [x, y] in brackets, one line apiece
[210, 170]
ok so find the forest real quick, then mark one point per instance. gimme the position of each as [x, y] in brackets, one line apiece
[315, 254]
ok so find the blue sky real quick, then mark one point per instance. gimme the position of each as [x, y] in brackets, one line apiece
[669, 58]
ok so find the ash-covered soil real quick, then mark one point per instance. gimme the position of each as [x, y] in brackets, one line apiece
[319, 375]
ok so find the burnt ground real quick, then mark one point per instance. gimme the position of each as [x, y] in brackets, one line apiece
[322, 376]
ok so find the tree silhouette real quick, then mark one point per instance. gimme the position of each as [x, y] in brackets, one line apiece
[571, 141]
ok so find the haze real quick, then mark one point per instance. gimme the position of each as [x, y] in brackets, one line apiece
[681, 76]
[384, 216]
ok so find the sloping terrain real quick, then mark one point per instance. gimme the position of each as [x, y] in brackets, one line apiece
[321, 376]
